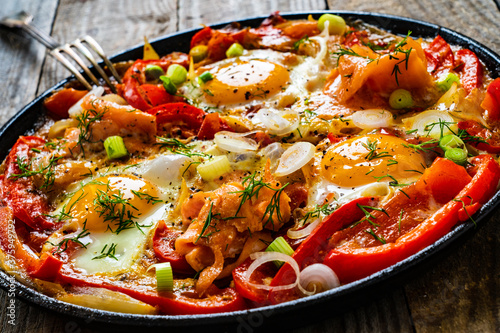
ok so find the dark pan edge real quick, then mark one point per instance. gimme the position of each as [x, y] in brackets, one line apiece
[377, 281]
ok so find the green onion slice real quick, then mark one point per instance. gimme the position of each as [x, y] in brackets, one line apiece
[164, 276]
[206, 76]
[451, 141]
[457, 155]
[153, 72]
[445, 81]
[115, 148]
[198, 53]
[336, 24]
[280, 245]
[234, 50]
[177, 74]
[168, 85]
[400, 99]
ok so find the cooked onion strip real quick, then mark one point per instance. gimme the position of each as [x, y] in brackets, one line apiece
[297, 234]
[294, 158]
[370, 119]
[235, 142]
[264, 257]
[278, 122]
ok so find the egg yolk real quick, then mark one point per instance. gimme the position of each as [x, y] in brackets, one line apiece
[111, 201]
[242, 81]
[371, 158]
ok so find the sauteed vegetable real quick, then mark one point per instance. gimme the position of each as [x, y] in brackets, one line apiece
[265, 165]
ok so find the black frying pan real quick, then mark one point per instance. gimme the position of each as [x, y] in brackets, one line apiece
[282, 316]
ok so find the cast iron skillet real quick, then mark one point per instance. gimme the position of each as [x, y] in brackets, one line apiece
[286, 315]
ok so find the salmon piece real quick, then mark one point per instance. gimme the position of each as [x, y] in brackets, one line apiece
[213, 226]
[378, 75]
[123, 120]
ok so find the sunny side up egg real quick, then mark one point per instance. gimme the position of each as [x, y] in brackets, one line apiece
[365, 165]
[266, 78]
[116, 211]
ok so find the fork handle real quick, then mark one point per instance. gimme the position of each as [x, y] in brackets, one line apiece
[39, 35]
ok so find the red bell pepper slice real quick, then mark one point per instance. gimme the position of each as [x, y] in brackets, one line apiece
[163, 245]
[471, 69]
[352, 264]
[59, 103]
[205, 124]
[47, 268]
[491, 102]
[183, 112]
[20, 194]
[214, 300]
[315, 247]
[144, 96]
[439, 56]
[491, 140]
[201, 37]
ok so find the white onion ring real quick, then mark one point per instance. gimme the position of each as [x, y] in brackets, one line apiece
[301, 233]
[295, 157]
[261, 258]
[428, 117]
[235, 142]
[319, 273]
[275, 123]
[370, 119]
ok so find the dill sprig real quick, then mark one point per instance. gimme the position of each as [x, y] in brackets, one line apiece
[85, 120]
[350, 52]
[178, 147]
[317, 212]
[379, 238]
[26, 170]
[398, 49]
[369, 215]
[372, 146]
[148, 197]
[63, 245]
[110, 253]
[252, 188]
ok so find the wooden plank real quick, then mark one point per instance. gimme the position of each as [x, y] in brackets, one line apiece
[193, 13]
[21, 57]
[116, 25]
[461, 293]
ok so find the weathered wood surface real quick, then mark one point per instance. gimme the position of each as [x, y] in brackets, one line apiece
[459, 294]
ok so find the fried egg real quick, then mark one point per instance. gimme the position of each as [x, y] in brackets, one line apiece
[115, 212]
[365, 166]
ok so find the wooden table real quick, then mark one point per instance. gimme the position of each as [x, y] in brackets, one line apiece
[460, 294]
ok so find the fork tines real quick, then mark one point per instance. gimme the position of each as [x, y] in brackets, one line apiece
[78, 45]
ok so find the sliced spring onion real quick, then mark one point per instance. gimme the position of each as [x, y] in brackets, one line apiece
[205, 77]
[370, 119]
[115, 148]
[400, 99]
[318, 277]
[153, 72]
[457, 155]
[164, 276]
[235, 142]
[177, 74]
[336, 24]
[301, 233]
[451, 141]
[294, 158]
[446, 80]
[235, 50]
[214, 168]
[280, 245]
[198, 53]
[168, 85]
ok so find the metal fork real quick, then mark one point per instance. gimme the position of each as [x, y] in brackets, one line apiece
[22, 21]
